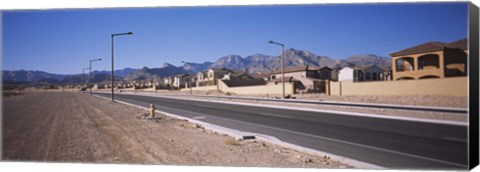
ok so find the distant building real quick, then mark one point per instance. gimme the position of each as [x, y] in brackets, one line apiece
[346, 74]
[325, 73]
[183, 81]
[371, 73]
[361, 74]
[202, 79]
[431, 60]
[209, 77]
[261, 75]
[307, 75]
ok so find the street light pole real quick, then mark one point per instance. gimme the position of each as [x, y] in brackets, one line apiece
[90, 78]
[113, 73]
[190, 72]
[283, 66]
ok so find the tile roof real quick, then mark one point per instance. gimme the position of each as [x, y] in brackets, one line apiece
[460, 44]
[431, 46]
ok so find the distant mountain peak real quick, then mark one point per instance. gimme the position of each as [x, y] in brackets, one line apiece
[165, 65]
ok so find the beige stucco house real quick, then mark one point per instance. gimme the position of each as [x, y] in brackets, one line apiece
[306, 75]
[212, 75]
[431, 60]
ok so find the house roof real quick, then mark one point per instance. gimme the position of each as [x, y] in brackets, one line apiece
[370, 66]
[431, 46]
[460, 44]
[295, 69]
[260, 74]
[325, 67]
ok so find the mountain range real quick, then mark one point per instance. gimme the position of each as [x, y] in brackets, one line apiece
[250, 64]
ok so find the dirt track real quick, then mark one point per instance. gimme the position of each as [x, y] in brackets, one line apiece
[72, 127]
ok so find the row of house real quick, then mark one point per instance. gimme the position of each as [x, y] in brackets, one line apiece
[429, 60]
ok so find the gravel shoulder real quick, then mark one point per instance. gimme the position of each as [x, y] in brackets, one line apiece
[73, 127]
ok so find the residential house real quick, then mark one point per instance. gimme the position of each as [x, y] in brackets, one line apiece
[371, 73]
[325, 73]
[183, 80]
[298, 86]
[202, 79]
[214, 74]
[168, 81]
[346, 74]
[334, 72]
[238, 75]
[361, 74]
[431, 60]
[307, 75]
[261, 75]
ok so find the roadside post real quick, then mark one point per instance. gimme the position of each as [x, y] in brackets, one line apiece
[152, 110]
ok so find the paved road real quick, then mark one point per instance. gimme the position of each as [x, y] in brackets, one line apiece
[384, 142]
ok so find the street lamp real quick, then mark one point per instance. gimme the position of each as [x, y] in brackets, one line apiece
[90, 78]
[113, 73]
[190, 72]
[283, 66]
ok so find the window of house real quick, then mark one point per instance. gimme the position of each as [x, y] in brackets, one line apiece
[374, 76]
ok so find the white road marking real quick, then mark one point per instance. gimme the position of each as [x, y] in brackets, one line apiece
[199, 117]
[275, 115]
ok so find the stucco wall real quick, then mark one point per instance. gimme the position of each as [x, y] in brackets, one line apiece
[205, 88]
[262, 89]
[455, 86]
[298, 76]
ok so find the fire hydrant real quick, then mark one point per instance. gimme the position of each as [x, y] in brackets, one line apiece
[152, 110]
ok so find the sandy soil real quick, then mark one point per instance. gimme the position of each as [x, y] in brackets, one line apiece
[439, 101]
[73, 127]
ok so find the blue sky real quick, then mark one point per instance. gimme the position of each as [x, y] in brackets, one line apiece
[62, 41]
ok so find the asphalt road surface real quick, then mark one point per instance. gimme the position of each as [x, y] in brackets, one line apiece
[383, 142]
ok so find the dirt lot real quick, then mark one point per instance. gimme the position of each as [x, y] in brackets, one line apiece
[73, 127]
